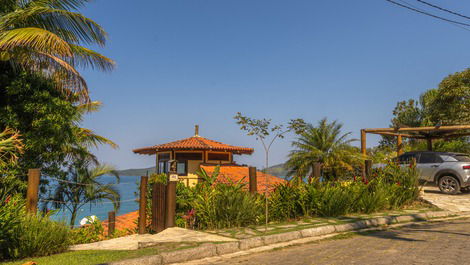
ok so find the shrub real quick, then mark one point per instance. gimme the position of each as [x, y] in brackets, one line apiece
[11, 211]
[287, 202]
[38, 236]
[226, 205]
[89, 233]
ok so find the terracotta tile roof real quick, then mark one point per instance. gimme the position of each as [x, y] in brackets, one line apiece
[236, 173]
[124, 222]
[194, 143]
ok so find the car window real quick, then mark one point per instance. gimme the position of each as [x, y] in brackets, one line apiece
[429, 158]
[448, 158]
[406, 158]
[462, 158]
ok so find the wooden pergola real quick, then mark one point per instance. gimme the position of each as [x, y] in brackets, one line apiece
[426, 133]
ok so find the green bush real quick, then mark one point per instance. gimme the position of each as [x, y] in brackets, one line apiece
[38, 236]
[23, 235]
[89, 233]
[226, 205]
[11, 211]
[390, 187]
[287, 202]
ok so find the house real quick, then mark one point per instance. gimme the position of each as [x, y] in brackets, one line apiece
[197, 152]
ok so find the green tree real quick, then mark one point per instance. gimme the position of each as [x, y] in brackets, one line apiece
[80, 186]
[451, 101]
[449, 104]
[325, 144]
[48, 120]
[267, 134]
[47, 37]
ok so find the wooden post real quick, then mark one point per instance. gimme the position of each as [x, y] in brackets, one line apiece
[363, 143]
[170, 204]
[158, 207]
[111, 223]
[429, 140]
[399, 145]
[363, 150]
[253, 179]
[34, 176]
[143, 204]
[368, 167]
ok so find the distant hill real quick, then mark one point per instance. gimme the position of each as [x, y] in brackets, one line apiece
[136, 171]
[277, 170]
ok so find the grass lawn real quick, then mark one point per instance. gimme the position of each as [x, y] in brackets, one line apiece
[92, 257]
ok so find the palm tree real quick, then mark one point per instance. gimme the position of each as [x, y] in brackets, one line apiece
[46, 37]
[81, 186]
[325, 144]
[83, 138]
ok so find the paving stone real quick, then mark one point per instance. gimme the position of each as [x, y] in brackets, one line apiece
[318, 231]
[227, 248]
[251, 243]
[283, 237]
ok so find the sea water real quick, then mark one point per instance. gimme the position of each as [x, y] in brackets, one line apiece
[128, 189]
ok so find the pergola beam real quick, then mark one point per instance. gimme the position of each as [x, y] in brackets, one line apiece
[402, 134]
[419, 129]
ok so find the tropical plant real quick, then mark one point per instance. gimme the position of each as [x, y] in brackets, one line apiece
[324, 144]
[81, 186]
[38, 236]
[46, 37]
[10, 147]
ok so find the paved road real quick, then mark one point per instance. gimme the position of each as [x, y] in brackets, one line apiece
[428, 243]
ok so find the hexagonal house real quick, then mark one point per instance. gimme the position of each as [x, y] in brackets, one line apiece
[192, 153]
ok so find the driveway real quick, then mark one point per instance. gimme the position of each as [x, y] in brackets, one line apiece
[454, 203]
[428, 243]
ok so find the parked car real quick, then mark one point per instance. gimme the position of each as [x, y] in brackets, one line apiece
[449, 171]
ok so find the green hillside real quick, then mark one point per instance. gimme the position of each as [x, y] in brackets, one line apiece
[136, 171]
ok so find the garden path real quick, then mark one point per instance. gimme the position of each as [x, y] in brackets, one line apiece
[174, 234]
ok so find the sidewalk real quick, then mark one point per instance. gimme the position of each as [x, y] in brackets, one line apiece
[247, 239]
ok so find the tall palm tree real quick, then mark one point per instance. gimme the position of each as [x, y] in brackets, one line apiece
[83, 138]
[81, 186]
[325, 144]
[46, 37]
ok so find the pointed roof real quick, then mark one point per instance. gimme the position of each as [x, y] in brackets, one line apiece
[195, 142]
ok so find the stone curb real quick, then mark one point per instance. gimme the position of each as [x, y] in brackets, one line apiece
[210, 249]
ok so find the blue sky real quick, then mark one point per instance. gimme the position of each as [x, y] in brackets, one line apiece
[187, 62]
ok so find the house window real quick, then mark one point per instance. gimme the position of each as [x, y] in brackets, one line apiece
[218, 157]
[182, 168]
[163, 163]
[189, 156]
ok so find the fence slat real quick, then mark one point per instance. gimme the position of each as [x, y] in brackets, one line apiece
[143, 204]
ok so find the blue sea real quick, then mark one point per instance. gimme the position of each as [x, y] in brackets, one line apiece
[128, 188]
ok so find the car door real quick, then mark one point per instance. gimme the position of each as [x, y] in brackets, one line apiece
[428, 164]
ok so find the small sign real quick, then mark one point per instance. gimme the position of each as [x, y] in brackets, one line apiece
[173, 177]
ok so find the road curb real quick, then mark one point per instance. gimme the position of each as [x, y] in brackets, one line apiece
[210, 250]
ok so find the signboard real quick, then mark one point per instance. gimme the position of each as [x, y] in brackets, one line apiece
[173, 177]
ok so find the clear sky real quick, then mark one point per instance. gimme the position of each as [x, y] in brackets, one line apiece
[187, 62]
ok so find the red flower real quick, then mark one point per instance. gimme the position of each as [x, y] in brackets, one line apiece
[7, 200]
[398, 183]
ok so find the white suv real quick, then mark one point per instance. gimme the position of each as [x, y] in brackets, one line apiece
[450, 171]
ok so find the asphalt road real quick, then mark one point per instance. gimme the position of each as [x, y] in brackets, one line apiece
[428, 243]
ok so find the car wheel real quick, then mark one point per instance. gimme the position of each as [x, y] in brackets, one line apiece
[449, 185]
